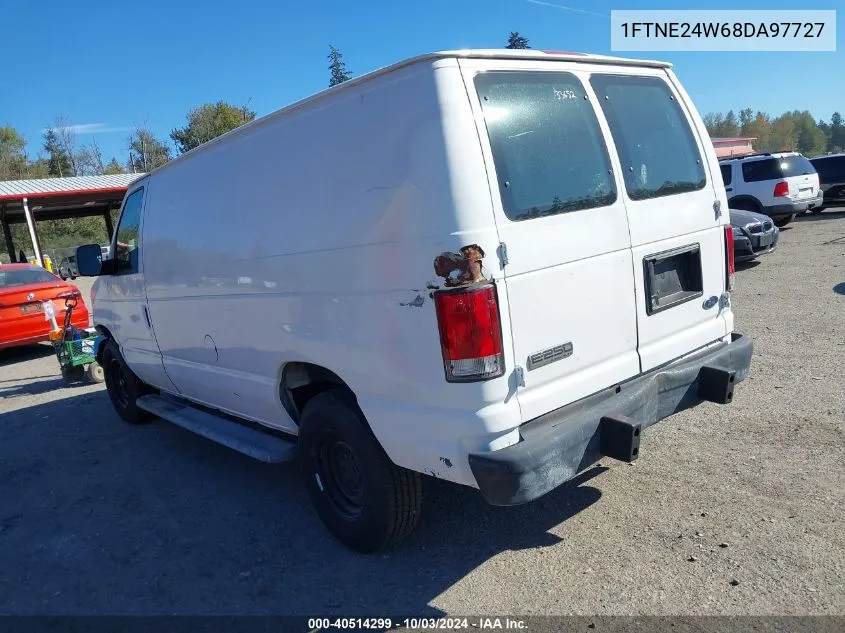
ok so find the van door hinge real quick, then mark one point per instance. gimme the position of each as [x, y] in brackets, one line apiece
[519, 376]
[717, 208]
[503, 254]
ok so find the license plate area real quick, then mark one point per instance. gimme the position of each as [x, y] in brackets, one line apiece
[765, 241]
[672, 277]
[32, 308]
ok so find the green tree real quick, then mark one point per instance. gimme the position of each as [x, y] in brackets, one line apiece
[113, 168]
[837, 134]
[58, 162]
[13, 161]
[146, 152]
[515, 40]
[337, 67]
[760, 128]
[713, 122]
[730, 126]
[811, 140]
[746, 116]
[784, 134]
[209, 121]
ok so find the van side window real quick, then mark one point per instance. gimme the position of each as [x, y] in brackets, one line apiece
[548, 149]
[726, 173]
[128, 240]
[656, 146]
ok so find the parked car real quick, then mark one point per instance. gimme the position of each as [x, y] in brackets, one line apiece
[755, 234]
[780, 185]
[446, 304]
[67, 268]
[23, 290]
[831, 170]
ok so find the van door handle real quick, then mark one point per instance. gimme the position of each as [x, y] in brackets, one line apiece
[147, 317]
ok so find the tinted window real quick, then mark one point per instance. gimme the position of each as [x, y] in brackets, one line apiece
[128, 240]
[22, 276]
[652, 135]
[726, 173]
[776, 168]
[548, 149]
[831, 170]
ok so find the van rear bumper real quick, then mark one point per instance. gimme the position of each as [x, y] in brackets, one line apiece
[558, 445]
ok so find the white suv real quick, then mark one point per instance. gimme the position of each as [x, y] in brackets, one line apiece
[780, 185]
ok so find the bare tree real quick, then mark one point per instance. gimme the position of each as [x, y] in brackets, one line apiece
[66, 138]
[146, 152]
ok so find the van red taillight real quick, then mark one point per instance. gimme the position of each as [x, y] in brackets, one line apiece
[781, 189]
[470, 333]
[730, 261]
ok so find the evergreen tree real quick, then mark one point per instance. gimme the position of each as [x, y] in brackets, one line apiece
[337, 67]
[515, 40]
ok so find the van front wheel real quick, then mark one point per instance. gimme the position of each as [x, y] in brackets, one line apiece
[367, 502]
[123, 386]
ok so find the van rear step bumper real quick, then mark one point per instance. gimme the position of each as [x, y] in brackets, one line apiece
[558, 445]
[256, 444]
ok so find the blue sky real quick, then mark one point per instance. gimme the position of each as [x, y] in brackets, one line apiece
[110, 65]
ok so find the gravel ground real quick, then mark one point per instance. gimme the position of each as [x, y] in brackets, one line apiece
[729, 510]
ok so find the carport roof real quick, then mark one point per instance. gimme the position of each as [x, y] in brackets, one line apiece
[54, 187]
[60, 198]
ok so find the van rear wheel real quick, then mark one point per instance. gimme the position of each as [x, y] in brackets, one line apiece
[783, 220]
[124, 387]
[366, 502]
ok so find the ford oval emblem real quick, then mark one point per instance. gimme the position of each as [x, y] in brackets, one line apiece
[711, 302]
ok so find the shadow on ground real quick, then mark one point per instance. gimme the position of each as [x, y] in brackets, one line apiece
[101, 517]
[28, 386]
[839, 288]
[14, 355]
[824, 215]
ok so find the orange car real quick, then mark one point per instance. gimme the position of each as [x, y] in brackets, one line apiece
[23, 288]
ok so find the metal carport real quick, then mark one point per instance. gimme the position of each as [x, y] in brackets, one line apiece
[28, 201]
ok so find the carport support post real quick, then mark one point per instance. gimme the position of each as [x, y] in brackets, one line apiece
[109, 225]
[30, 223]
[7, 234]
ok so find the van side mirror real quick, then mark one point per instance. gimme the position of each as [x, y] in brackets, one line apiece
[89, 261]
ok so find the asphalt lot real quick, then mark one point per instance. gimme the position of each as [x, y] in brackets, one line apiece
[729, 510]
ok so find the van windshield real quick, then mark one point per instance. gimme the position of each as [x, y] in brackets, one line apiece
[548, 150]
[776, 168]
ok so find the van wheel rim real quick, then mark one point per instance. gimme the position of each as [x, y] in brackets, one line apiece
[341, 476]
[121, 390]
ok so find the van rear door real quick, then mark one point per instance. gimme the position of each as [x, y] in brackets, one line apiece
[671, 185]
[563, 227]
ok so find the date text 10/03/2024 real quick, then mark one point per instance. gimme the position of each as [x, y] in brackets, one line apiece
[421, 624]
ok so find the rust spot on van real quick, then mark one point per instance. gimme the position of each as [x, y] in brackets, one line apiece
[461, 269]
[418, 302]
[446, 461]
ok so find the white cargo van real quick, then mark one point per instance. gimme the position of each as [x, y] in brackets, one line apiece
[488, 267]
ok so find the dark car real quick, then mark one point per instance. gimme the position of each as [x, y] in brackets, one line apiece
[831, 171]
[755, 234]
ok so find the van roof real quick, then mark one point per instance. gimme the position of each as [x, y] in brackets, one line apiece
[480, 53]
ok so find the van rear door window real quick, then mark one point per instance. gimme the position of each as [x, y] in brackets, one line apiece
[656, 145]
[548, 149]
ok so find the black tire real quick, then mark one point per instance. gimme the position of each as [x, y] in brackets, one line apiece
[783, 220]
[123, 386]
[366, 502]
[817, 210]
